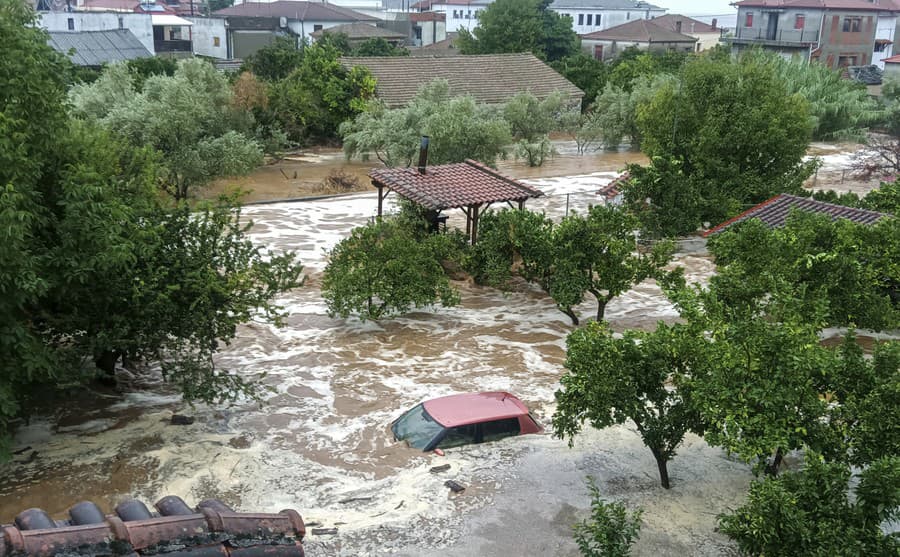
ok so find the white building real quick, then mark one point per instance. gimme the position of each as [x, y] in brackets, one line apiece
[140, 25]
[587, 15]
[459, 14]
[596, 15]
[884, 38]
[210, 36]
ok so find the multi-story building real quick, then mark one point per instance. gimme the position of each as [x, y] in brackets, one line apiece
[587, 15]
[836, 33]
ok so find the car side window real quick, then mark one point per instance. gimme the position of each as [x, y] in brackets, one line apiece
[461, 435]
[498, 429]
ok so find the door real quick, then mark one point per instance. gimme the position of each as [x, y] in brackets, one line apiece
[598, 52]
[772, 28]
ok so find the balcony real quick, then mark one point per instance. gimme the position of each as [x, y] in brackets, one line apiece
[172, 46]
[779, 37]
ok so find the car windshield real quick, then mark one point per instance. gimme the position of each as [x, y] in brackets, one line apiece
[417, 428]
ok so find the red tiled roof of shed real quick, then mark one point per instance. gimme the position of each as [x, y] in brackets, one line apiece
[614, 188]
[449, 186]
[775, 211]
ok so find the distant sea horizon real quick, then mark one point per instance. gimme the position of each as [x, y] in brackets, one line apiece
[727, 21]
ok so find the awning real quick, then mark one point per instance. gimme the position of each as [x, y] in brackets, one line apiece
[169, 19]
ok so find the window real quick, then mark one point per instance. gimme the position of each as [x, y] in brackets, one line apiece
[121, 22]
[844, 61]
[215, 41]
[880, 45]
[748, 22]
[317, 28]
[455, 16]
[590, 19]
[462, 435]
[627, 16]
[799, 21]
[71, 24]
[852, 24]
[498, 429]
[597, 20]
[580, 19]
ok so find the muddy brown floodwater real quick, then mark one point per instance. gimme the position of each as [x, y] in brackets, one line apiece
[320, 443]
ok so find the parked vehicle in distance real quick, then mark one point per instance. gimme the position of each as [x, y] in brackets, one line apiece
[451, 421]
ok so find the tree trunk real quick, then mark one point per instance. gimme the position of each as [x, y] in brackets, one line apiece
[106, 362]
[571, 314]
[601, 308]
[772, 467]
[663, 465]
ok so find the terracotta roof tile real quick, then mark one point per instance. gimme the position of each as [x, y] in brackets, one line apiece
[639, 30]
[489, 78]
[360, 31]
[614, 188]
[688, 24]
[449, 186]
[774, 212]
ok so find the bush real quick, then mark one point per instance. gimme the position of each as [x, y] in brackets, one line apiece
[611, 529]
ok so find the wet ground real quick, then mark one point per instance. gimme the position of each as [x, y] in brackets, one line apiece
[320, 443]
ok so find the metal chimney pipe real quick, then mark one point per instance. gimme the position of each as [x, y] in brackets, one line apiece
[423, 154]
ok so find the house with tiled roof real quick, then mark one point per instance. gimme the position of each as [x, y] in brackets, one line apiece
[891, 67]
[774, 212]
[837, 33]
[428, 28]
[489, 78]
[251, 26]
[707, 34]
[641, 33]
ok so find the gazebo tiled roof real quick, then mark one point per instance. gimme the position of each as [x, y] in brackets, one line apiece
[449, 186]
[775, 211]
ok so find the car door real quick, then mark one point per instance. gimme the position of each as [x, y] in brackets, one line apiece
[498, 429]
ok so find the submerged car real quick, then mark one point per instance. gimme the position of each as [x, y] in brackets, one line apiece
[455, 420]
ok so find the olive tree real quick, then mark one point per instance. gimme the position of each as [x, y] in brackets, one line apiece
[187, 118]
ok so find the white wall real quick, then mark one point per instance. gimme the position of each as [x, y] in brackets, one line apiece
[303, 29]
[608, 18]
[884, 30]
[204, 33]
[139, 24]
[461, 16]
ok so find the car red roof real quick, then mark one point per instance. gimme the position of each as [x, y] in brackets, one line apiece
[456, 410]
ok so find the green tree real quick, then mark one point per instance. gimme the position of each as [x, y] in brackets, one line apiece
[142, 68]
[850, 267]
[188, 118]
[508, 26]
[95, 266]
[841, 109]
[459, 129]
[381, 269]
[313, 101]
[725, 136]
[379, 47]
[885, 199]
[274, 61]
[531, 120]
[595, 253]
[586, 72]
[610, 530]
[611, 380]
[808, 513]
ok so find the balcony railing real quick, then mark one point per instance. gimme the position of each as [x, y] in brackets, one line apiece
[172, 46]
[783, 36]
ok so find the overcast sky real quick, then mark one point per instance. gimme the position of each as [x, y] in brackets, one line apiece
[699, 7]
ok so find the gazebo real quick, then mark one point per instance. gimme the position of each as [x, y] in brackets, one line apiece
[469, 186]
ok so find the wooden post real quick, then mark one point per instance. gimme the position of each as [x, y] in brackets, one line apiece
[521, 204]
[468, 221]
[475, 223]
[380, 197]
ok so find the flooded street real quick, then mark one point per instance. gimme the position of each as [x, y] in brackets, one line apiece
[321, 443]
